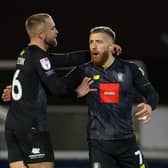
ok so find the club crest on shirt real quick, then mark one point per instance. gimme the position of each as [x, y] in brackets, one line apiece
[45, 63]
[120, 77]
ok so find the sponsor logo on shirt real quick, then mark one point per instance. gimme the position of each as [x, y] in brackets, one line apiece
[96, 77]
[45, 63]
[109, 92]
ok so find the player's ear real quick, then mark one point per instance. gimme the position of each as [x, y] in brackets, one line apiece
[116, 49]
[41, 35]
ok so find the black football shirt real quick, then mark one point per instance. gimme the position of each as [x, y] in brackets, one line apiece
[110, 107]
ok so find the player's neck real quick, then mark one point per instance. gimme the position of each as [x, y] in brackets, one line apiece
[109, 62]
[38, 43]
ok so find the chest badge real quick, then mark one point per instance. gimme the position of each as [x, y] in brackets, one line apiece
[120, 77]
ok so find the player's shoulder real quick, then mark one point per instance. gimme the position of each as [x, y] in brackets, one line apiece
[127, 62]
[22, 56]
[39, 56]
[36, 51]
[31, 51]
[136, 66]
[32, 54]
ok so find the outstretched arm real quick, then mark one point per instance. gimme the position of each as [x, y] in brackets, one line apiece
[73, 58]
[79, 57]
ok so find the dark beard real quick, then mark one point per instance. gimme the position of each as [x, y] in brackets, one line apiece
[102, 60]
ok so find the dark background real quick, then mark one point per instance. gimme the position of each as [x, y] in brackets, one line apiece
[141, 28]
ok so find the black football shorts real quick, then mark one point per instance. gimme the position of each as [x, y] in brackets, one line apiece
[33, 148]
[115, 154]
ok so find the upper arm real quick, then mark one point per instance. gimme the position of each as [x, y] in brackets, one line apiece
[74, 76]
[144, 86]
[48, 76]
[72, 58]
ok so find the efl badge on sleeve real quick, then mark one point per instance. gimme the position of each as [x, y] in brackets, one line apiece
[45, 63]
[109, 92]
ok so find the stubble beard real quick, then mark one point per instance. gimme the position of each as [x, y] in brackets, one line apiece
[51, 43]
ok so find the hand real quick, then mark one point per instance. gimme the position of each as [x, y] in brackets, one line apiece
[116, 49]
[144, 113]
[6, 95]
[84, 88]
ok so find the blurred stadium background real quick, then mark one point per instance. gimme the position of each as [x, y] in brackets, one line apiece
[142, 31]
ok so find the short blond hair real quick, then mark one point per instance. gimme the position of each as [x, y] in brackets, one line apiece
[104, 29]
[35, 23]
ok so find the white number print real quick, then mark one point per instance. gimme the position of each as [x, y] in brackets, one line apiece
[16, 87]
[138, 152]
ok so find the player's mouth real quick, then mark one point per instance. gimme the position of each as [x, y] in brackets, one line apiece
[95, 54]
